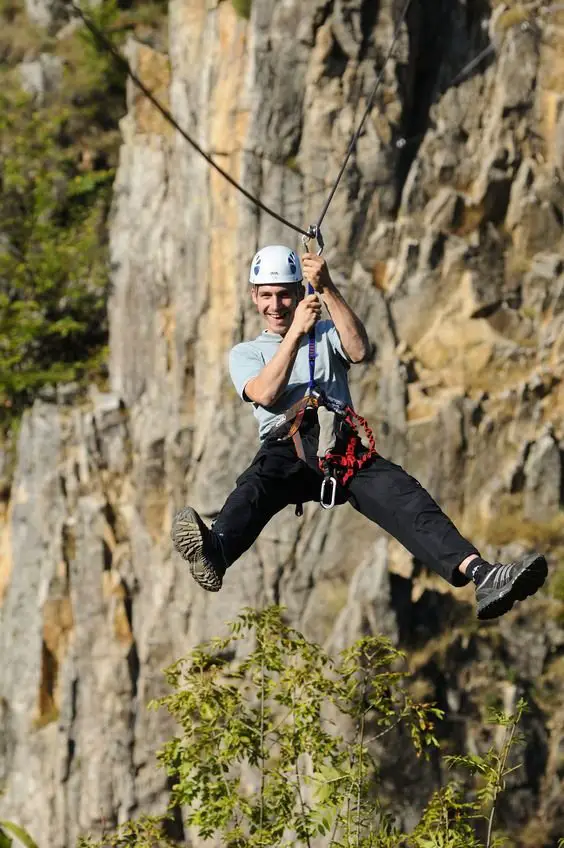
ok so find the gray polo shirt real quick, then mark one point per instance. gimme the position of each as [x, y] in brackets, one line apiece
[247, 360]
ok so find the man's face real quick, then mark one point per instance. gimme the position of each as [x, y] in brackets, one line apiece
[276, 305]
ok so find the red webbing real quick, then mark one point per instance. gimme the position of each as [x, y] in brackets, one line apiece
[349, 461]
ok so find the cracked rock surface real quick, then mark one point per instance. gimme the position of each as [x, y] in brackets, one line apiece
[450, 247]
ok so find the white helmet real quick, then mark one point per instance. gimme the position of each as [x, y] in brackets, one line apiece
[275, 264]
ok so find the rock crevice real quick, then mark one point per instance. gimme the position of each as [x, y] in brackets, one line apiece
[451, 250]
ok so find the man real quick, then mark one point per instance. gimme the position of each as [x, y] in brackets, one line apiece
[272, 373]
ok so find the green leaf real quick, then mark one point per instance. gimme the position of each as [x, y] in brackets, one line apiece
[257, 756]
[19, 833]
[5, 841]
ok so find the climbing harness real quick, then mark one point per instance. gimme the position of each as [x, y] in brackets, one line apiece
[337, 467]
[340, 426]
[329, 481]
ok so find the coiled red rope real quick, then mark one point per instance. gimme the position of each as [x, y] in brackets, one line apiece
[349, 463]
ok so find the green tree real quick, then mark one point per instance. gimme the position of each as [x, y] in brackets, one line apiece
[277, 746]
[53, 275]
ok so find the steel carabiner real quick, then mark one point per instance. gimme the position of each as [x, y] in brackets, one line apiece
[314, 233]
[328, 504]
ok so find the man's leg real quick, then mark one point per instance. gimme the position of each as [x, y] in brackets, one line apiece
[385, 493]
[274, 480]
[248, 509]
[397, 502]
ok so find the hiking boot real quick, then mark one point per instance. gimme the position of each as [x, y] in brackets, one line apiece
[502, 585]
[200, 547]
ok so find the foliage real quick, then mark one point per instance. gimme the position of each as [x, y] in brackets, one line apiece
[447, 822]
[146, 832]
[243, 8]
[58, 154]
[271, 713]
[57, 164]
[493, 767]
[9, 830]
[279, 746]
[93, 88]
[56, 179]
[53, 275]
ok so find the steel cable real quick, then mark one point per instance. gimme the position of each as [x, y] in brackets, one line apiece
[168, 116]
[313, 231]
[107, 44]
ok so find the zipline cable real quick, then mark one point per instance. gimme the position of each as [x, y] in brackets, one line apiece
[107, 44]
[315, 230]
[168, 116]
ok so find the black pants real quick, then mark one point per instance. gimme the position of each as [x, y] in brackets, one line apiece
[381, 490]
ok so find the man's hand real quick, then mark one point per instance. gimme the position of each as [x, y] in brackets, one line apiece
[308, 312]
[350, 328]
[316, 272]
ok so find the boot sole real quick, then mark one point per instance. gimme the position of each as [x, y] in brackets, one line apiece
[187, 534]
[526, 583]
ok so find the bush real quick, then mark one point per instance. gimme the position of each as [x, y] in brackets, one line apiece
[277, 747]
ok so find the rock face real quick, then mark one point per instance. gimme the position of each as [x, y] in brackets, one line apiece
[450, 246]
[40, 76]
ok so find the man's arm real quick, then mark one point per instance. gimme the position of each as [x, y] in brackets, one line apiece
[266, 387]
[350, 328]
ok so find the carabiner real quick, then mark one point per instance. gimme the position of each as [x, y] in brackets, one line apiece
[328, 504]
[314, 233]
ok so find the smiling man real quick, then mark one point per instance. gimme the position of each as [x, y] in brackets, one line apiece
[272, 373]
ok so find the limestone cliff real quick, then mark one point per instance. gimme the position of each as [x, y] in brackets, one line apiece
[446, 236]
